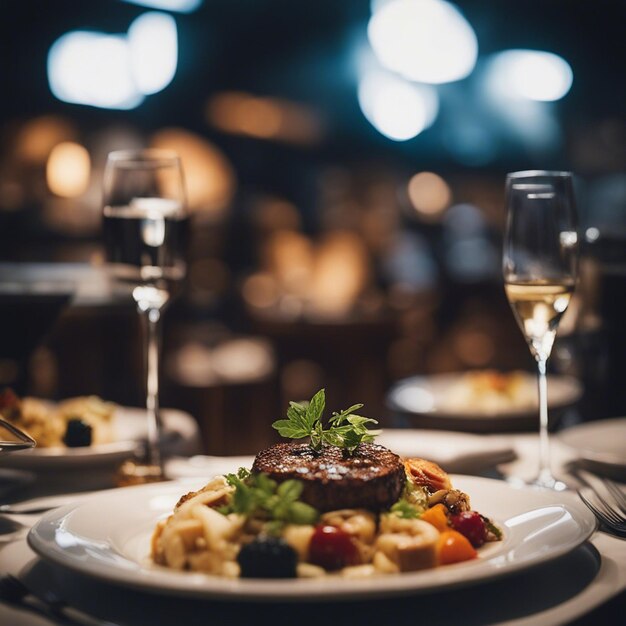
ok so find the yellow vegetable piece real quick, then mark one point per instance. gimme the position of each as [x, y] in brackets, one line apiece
[436, 516]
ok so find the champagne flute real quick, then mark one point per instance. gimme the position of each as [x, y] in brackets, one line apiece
[540, 263]
[144, 218]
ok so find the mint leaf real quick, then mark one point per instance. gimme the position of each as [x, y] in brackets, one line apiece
[345, 429]
[339, 418]
[316, 408]
[289, 429]
[296, 413]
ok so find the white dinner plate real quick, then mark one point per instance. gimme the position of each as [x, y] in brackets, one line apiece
[600, 445]
[86, 537]
[424, 401]
[129, 428]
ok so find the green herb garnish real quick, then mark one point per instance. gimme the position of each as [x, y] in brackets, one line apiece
[257, 495]
[345, 429]
[405, 509]
[412, 503]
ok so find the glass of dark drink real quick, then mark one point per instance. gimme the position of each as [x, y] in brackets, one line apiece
[144, 216]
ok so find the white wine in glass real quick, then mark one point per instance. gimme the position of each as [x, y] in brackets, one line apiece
[540, 263]
[144, 221]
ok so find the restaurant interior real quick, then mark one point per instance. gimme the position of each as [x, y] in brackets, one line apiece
[344, 167]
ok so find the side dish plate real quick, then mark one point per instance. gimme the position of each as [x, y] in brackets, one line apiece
[538, 526]
[424, 402]
[129, 427]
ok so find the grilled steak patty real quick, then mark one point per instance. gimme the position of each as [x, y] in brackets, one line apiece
[372, 478]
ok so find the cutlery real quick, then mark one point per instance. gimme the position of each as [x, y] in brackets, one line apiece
[617, 493]
[49, 605]
[9, 509]
[23, 440]
[609, 512]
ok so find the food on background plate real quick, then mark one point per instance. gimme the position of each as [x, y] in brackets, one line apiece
[338, 505]
[490, 391]
[75, 422]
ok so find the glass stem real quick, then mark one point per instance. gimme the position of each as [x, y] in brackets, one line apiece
[153, 451]
[545, 472]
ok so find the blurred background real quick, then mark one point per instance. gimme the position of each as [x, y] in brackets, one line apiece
[345, 166]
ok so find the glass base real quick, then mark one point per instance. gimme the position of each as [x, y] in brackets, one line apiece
[133, 473]
[549, 482]
[545, 481]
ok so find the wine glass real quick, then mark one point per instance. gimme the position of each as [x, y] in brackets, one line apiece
[540, 263]
[144, 217]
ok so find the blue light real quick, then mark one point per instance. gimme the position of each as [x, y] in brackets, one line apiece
[153, 42]
[115, 71]
[93, 69]
[179, 6]
[424, 40]
[529, 74]
[397, 108]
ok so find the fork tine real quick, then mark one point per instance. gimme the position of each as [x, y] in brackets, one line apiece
[617, 493]
[617, 527]
[610, 513]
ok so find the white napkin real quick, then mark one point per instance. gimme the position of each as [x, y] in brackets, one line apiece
[460, 453]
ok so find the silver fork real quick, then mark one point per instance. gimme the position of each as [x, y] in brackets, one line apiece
[610, 513]
[617, 493]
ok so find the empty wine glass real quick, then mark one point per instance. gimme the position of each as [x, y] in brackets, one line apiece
[540, 263]
[144, 215]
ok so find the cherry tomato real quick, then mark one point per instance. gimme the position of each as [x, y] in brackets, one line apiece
[470, 524]
[332, 548]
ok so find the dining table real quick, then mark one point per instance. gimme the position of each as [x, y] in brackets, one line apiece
[586, 585]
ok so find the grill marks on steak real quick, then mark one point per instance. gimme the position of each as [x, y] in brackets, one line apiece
[372, 478]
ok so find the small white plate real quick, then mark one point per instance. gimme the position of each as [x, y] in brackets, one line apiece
[129, 428]
[538, 526]
[601, 445]
[423, 400]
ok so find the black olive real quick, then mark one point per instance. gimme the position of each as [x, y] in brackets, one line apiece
[78, 434]
[267, 557]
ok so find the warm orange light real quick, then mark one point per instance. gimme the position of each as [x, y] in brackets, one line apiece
[265, 118]
[68, 170]
[430, 195]
[289, 256]
[341, 273]
[39, 136]
[260, 291]
[209, 176]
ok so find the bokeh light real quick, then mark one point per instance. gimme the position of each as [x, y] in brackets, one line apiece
[209, 176]
[424, 40]
[38, 136]
[530, 74]
[397, 109]
[430, 195]
[67, 170]
[242, 113]
[180, 6]
[153, 44]
[93, 69]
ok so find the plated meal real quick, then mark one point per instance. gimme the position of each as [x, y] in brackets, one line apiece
[338, 505]
[480, 400]
[76, 422]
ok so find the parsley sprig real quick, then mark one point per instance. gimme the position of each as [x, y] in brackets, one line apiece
[257, 495]
[345, 429]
